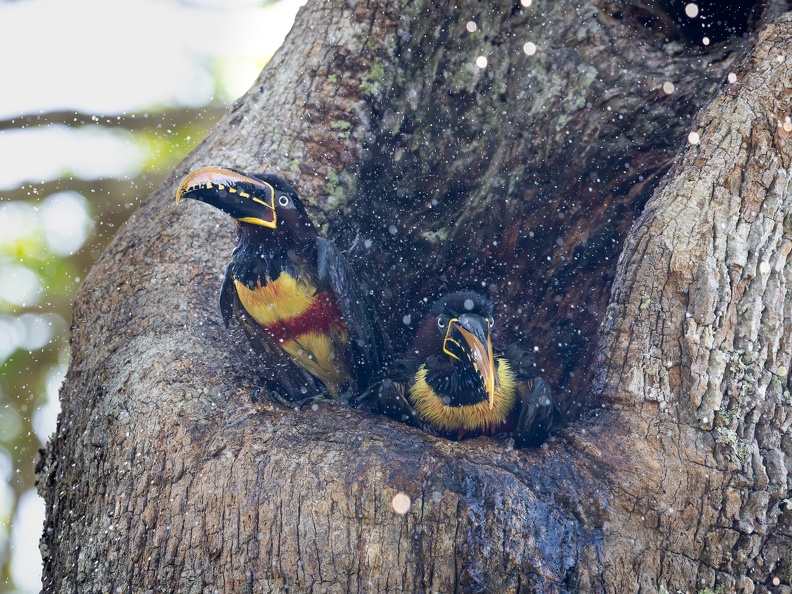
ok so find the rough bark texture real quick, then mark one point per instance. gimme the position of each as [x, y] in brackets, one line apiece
[696, 348]
[522, 179]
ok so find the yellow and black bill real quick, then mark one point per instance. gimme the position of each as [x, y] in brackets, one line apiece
[468, 340]
[244, 197]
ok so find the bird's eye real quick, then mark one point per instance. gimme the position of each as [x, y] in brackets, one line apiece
[283, 200]
[441, 323]
[490, 322]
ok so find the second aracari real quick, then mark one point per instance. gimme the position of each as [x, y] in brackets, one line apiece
[455, 383]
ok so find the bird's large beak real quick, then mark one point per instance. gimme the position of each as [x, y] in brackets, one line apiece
[469, 337]
[241, 196]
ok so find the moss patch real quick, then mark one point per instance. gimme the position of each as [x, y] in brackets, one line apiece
[371, 85]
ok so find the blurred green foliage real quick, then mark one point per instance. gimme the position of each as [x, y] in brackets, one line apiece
[39, 325]
[52, 231]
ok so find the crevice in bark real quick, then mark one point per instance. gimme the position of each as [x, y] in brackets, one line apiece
[519, 180]
[714, 20]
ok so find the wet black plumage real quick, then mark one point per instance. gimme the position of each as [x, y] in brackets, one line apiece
[454, 382]
[298, 299]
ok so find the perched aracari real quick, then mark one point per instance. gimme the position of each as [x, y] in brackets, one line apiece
[301, 304]
[455, 383]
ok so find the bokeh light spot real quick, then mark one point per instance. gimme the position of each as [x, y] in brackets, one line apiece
[25, 535]
[19, 285]
[17, 220]
[42, 154]
[45, 419]
[66, 221]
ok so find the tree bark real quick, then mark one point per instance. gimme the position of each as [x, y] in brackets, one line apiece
[663, 323]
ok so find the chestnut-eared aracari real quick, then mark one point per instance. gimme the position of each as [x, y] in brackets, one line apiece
[293, 291]
[456, 383]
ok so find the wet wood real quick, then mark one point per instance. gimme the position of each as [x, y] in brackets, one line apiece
[650, 273]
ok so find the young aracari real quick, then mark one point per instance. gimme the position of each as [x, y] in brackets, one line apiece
[455, 383]
[299, 301]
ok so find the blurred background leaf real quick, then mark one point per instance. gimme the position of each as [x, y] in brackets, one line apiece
[100, 101]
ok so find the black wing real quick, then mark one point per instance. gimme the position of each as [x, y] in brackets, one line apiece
[366, 337]
[228, 296]
[279, 372]
[522, 362]
[538, 413]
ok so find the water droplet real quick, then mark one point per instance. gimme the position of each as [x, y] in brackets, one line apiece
[481, 62]
[668, 87]
[693, 138]
[692, 10]
[401, 503]
[529, 48]
[471, 26]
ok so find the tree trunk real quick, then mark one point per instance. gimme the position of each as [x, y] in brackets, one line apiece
[528, 179]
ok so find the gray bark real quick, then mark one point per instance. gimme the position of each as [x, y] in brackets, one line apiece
[672, 471]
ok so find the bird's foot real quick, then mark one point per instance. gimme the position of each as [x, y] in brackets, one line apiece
[298, 405]
[368, 400]
[507, 442]
[294, 404]
[387, 398]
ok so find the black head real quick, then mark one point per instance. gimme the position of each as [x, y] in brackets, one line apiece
[463, 302]
[260, 200]
[457, 332]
